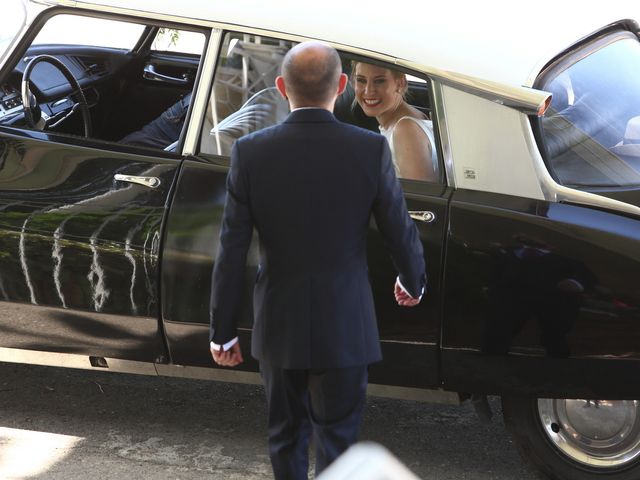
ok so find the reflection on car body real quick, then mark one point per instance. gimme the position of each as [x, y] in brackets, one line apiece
[531, 229]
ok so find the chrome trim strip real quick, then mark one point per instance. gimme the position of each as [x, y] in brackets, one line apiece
[205, 373]
[414, 394]
[24, 93]
[31, 357]
[524, 99]
[409, 342]
[202, 93]
[147, 15]
[117, 365]
[72, 360]
[55, 3]
[373, 389]
[554, 192]
[546, 182]
[83, 362]
[443, 131]
[61, 102]
[565, 194]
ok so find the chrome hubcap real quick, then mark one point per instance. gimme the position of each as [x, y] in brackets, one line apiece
[598, 433]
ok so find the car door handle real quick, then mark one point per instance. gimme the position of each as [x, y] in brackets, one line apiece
[422, 216]
[151, 74]
[151, 182]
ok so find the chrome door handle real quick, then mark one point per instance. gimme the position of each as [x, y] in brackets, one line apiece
[151, 74]
[151, 182]
[426, 217]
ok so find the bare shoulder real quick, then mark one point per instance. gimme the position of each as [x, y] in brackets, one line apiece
[407, 131]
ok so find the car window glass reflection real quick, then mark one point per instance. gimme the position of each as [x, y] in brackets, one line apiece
[591, 132]
[244, 98]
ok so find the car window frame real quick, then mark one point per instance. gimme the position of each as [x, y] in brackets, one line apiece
[346, 53]
[562, 62]
[146, 37]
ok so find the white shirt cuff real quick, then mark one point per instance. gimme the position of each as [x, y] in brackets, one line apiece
[405, 290]
[226, 346]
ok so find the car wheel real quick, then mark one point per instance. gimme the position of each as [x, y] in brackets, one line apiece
[577, 439]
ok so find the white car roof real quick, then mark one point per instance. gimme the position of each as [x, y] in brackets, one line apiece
[506, 42]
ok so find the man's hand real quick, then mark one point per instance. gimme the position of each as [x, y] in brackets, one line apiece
[230, 358]
[403, 298]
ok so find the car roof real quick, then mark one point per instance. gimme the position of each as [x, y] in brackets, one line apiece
[502, 42]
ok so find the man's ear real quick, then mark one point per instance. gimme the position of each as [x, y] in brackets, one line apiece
[281, 87]
[342, 83]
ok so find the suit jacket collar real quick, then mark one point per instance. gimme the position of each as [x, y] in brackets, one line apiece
[310, 115]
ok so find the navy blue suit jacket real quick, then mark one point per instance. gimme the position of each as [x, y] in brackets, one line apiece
[309, 187]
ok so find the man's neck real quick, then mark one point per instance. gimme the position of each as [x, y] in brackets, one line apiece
[307, 108]
[325, 106]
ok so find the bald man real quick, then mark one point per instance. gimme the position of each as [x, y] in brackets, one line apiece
[309, 187]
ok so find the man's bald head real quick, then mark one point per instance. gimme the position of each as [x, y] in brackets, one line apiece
[311, 72]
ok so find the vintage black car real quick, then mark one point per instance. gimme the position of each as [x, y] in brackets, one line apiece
[116, 121]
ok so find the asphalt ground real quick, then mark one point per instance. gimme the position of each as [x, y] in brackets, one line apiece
[60, 424]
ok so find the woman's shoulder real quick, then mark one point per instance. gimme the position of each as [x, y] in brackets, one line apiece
[408, 125]
[411, 122]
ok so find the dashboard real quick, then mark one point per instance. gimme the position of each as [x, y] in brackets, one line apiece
[10, 101]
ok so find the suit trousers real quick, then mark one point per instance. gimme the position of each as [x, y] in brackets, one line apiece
[324, 403]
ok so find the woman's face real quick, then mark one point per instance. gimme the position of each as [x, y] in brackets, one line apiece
[377, 90]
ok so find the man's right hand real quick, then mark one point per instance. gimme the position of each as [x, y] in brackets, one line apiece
[403, 298]
[230, 358]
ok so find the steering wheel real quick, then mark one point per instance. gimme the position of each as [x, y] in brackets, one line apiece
[35, 117]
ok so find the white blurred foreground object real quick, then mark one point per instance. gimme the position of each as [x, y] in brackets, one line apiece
[367, 461]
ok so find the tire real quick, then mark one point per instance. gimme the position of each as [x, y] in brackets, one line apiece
[576, 439]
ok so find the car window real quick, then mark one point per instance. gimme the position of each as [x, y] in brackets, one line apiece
[14, 16]
[99, 32]
[244, 99]
[172, 40]
[591, 132]
[136, 99]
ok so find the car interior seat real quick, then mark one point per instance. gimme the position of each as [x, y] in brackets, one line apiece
[263, 109]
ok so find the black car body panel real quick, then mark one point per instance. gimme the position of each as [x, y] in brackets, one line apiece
[79, 268]
[410, 337]
[538, 298]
